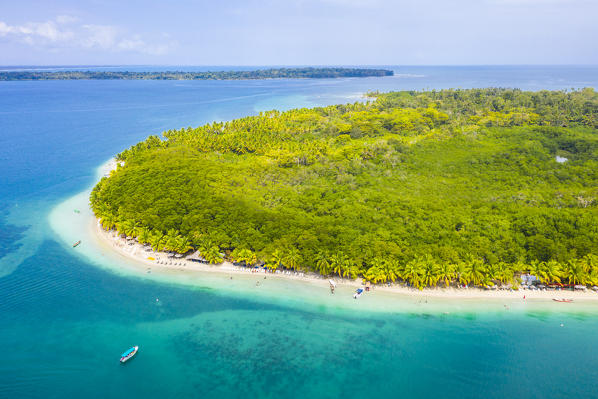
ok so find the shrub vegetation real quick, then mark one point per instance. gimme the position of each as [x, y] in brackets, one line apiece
[433, 187]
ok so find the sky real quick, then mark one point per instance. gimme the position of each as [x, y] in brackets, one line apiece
[300, 32]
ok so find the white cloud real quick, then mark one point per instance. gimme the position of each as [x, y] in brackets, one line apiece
[64, 32]
[5, 29]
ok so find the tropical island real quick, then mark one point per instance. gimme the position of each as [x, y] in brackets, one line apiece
[432, 188]
[275, 73]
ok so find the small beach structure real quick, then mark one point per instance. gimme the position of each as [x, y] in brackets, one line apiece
[528, 279]
[196, 257]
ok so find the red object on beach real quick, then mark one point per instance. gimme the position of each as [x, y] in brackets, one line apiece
[562, 300]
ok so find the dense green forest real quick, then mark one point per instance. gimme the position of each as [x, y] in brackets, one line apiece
[278, 73]
[435, 187]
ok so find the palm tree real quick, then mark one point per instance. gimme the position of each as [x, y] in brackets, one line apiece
[446, 273]
[575, 272]
[390, 269]
[171, 242]
[183, 245]
[129, 227]
[244, 255]
[504, 272]
[461, 272]
[430, 274]
[108, 221]
[548, 272]
[275, 260]
[533, 267]
[350, 269]
[200, 240]
[376, 273]
[212, 254]
[491, 271]
[412, 272]
[137, 229]
[475, 271]
[591, 265]
[292, 258]
[373, 274]
[144, 235]
[157, 240]
[120, 226]
[337, 262]
[322, 264]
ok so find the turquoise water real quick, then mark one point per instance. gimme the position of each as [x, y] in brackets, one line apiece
[64, 322]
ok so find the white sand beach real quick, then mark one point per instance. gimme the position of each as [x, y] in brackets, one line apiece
[110, 251]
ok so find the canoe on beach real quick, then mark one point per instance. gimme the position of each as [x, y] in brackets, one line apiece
[77, 243]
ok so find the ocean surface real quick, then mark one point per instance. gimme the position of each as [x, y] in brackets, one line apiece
[64, 321]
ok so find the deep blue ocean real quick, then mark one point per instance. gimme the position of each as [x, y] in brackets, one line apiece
[64, 322]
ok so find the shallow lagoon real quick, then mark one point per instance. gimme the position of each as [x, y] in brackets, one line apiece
[64, 321]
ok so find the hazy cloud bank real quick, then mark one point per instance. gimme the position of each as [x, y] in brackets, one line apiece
[68, 32]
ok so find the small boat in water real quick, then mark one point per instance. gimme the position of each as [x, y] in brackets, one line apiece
[562, 300]
[129, 354]
[77, 243]
[358, 293]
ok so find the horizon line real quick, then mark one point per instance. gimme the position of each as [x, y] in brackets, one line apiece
[279, 65]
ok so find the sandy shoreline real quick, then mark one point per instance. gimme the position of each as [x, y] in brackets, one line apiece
[137, 253]
[104, 249]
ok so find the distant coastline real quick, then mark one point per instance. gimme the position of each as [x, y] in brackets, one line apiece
[273, 73]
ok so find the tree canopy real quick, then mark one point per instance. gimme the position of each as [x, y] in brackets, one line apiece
[276, 73]
[429, 187]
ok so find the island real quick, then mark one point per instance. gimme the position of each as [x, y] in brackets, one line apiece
[277, 73]
[478, 187]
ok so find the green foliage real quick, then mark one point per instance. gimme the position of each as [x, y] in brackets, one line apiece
[277, 73]
[426, 187]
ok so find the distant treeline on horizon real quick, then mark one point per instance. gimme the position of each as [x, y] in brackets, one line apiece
[278, 73]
